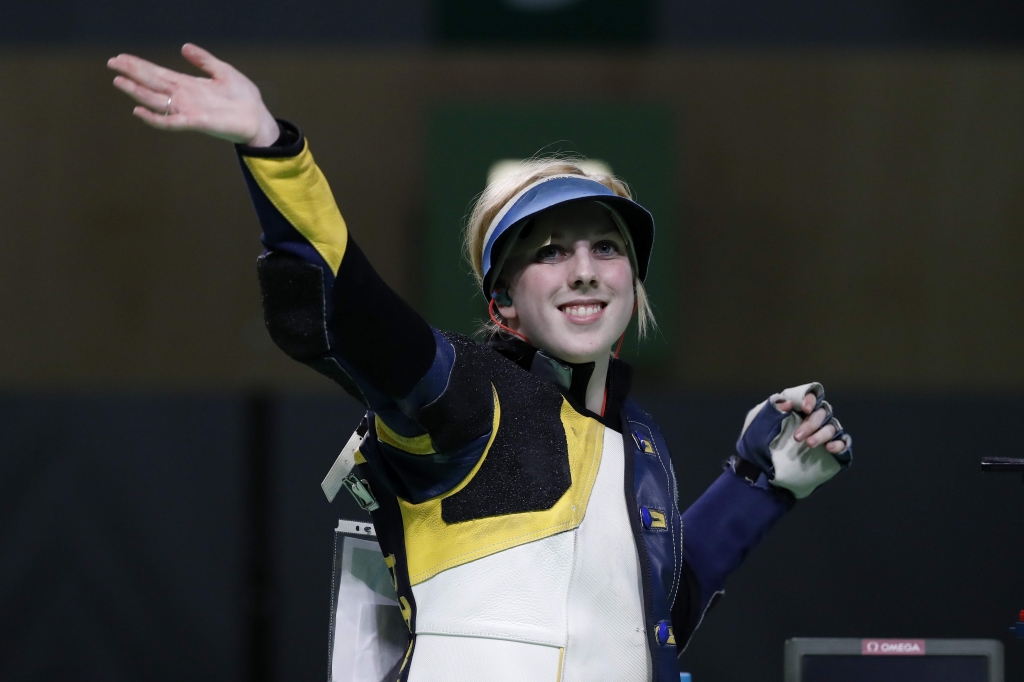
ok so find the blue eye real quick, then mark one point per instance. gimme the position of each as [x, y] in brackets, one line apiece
[548, 253]
[606, 248]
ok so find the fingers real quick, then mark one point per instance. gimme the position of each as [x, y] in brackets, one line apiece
[812, 424]
[806, 406]
[157, 101]
[161, 122]
[145, 73]
[819, 428]
[204, 60]
[823, 435]
[836, 446]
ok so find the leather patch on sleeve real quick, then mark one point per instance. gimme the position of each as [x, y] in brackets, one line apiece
[463, 412]
[293, 304]
[527, 466]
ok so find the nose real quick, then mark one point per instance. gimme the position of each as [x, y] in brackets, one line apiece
[583, 270]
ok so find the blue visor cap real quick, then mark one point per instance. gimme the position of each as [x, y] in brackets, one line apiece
[563, 189]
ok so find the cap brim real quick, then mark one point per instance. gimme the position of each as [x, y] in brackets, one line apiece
[558, 191]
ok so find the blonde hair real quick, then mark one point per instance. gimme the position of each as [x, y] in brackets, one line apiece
[498, 193]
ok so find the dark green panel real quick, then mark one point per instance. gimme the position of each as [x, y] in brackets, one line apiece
[550, 22]
[464, 140]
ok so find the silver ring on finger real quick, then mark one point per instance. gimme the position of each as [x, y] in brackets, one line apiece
[167, 109]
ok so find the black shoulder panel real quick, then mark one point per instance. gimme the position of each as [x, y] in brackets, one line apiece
[293, 304]
[527, 467]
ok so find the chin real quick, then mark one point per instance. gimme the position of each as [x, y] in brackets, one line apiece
[582, 350]
[575, 343]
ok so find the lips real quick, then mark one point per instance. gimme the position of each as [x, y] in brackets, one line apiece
[583, 312]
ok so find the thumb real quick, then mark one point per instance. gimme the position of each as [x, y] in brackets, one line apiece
[203, 59]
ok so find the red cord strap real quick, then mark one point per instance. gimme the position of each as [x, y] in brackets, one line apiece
[621, 338]
[495, 320]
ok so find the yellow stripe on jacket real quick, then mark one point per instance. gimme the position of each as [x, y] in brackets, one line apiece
[299, 191]
[416, 445]
[432, 545]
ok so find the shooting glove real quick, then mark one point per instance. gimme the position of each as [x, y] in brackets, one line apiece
[767, 442]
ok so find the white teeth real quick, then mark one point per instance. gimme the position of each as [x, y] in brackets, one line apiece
[582, 310]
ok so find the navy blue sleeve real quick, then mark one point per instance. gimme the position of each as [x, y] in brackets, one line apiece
[719, 530]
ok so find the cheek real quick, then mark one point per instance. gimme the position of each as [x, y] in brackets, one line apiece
[619, 278]
[533, 286]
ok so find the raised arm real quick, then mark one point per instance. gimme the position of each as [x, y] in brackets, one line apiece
[324, 304]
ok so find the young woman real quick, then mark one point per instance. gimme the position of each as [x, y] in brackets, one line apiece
[526, 507]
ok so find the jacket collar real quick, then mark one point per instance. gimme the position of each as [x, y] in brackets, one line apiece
[570, 378]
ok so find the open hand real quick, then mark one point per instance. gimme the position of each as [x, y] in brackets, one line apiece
[811, 430]
[226, 105]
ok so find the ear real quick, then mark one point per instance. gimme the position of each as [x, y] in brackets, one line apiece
[508, 312]
[501, 296]
[503, 301]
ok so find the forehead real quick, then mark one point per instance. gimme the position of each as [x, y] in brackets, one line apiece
[576, 220]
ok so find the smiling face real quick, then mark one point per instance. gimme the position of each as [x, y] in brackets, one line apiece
[572, 296]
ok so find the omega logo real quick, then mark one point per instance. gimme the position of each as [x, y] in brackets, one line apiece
[892, 647]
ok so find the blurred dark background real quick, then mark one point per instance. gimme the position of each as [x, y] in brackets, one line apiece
[839, 191]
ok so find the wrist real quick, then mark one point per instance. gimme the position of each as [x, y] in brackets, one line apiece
[756, 478]
[749, 471]
[268, 132]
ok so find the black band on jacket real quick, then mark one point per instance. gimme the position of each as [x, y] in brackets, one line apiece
[377, 332]
[289, 143]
